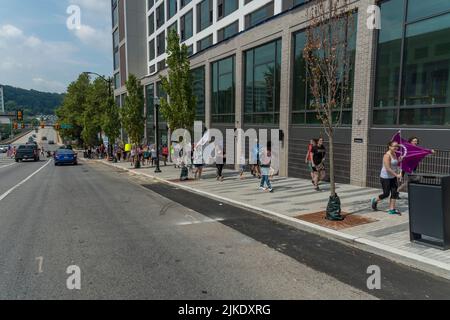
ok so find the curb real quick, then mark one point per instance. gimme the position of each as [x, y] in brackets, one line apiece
[409, 259]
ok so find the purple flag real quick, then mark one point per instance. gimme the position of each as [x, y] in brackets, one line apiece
[412, 155]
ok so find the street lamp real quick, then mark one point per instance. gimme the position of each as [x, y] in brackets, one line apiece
[157, 104]
[109, 82]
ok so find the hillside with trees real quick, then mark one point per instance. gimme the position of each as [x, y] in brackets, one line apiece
[31, 101]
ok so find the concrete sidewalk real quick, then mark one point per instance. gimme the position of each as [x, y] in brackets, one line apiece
[296, 202]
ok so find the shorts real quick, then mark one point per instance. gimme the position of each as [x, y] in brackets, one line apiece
[310, 167]
[198, 166]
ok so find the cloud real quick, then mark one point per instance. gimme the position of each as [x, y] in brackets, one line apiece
[10, 32]
[26, 57]
[95, 38]
[94, 6]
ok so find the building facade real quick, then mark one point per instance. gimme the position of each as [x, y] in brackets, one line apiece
[248, 71]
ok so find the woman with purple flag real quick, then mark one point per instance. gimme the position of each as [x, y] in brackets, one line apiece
[389, 177]
[413, 141]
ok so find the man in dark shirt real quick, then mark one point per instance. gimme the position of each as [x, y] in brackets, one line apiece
[319, 154]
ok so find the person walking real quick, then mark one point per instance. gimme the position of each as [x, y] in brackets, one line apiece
[220, 162]
[266, 161]
[165, 154]
[318, 163]
[255, 160]
[309, 158]
[198, 162]
[389, 178]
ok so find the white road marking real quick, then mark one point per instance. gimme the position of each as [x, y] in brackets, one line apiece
[7, 193]
[200, 222]
[8, 165]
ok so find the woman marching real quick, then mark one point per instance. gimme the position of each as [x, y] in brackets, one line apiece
[389, 177]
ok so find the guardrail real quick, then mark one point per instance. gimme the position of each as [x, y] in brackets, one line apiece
[16, 137]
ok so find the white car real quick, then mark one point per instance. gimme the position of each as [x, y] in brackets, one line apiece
[3, 149]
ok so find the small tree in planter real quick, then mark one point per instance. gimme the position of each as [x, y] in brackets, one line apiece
[133, 113]
[328, 63]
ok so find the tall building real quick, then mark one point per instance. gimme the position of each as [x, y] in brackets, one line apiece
[246, 57]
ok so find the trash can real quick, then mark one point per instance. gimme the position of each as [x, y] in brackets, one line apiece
[429, 210]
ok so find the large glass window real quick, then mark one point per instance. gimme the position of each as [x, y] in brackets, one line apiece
[150, 95]
[198, 84]
[223, 91]
[115, 16]
[160, 15]
[171, 8]
[204, 14]
[116, 39]
[187, 25]
[228, 31]
[225, 7]
[303, 111]
[259, 15]
[151, 24]
[421, 9]
[205, 43]
[161, 43]
[184, 2]
[262, 84]
[116, 59]
[413, 85]
[151, 50]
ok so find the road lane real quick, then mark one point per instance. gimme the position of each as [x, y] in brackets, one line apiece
[131, 243]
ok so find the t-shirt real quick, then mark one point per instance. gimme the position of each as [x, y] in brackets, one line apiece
[319, 153]
[310, 149]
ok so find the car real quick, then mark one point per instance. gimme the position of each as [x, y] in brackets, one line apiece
[65, 156]
[3, 149]
[44, 138]
[27, 152]
[51, 142]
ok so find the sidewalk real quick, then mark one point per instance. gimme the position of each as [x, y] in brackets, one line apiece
[296, 202]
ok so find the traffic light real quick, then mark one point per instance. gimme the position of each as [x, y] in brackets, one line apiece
[19, 115]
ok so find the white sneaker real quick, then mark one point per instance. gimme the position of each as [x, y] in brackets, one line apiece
[262, 189]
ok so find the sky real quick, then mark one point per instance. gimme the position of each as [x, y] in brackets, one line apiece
[39, 51]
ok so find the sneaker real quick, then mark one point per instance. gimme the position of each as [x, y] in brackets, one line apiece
[271, 190]
[261, 189]
[374, 204]
[317, 188]
[394, 212]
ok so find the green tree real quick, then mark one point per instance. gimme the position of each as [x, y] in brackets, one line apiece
[73, 108]
[111, 120]
[179, 110]
[132, 112]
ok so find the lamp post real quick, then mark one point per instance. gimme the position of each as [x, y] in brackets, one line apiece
[109, 82]
[157, 105]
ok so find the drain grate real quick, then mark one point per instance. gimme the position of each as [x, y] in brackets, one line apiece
[350, 221]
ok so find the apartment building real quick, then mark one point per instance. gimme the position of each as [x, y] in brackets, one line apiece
[249, 72]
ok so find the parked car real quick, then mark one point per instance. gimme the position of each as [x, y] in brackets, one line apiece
[65, 156]
[3, 149]
[27, 152]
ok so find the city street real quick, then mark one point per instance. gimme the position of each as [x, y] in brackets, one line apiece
[133, 238]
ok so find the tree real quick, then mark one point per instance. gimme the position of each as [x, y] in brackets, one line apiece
[328, 65]
[179, 110]
[72, 110]
[133, 112]
[111, 121]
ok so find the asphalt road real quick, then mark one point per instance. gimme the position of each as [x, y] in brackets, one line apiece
[133, 239]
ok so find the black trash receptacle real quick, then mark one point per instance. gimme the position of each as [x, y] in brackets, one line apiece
[429, 210]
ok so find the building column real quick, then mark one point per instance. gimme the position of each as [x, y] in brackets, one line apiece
[285, 98]
[239, 95]
[364, 83]
[208, 95]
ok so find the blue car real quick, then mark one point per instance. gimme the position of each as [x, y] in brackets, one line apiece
[65, 156]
